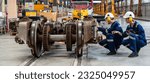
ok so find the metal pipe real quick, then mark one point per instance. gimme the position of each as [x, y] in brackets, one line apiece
[57, 37]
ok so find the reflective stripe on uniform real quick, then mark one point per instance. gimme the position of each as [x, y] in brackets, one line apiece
[118, 32]
[137, 25]
[126, 38]
[131, 37]
[127, 45]
[110, 40]
[136, 35]
[104, 45]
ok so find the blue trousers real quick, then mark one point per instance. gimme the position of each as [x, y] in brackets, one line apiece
[134, 43]
[111, 43]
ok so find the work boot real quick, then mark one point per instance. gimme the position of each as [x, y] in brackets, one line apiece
[111, 53]
[138, 50]
[134, 54]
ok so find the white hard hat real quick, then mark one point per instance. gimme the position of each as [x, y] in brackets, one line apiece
[109, 15]
[129, 14]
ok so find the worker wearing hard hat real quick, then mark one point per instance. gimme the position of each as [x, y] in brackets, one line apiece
[113, 35]
[135, 35]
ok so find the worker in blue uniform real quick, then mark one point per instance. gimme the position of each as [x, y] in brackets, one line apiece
[135, 35]
[113, 35]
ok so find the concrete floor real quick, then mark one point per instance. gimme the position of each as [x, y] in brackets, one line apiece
[98, 57]
[13, 54]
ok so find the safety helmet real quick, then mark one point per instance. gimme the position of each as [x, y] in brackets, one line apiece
[109, 15]
[129, 14]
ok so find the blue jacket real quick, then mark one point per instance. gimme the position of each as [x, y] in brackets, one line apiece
[137, 29]
[114, 27]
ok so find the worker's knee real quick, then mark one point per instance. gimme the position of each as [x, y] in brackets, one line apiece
[103, 42]
[110, 36]
[125, 42]
[142, 43]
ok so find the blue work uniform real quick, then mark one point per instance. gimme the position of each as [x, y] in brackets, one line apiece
[112, 41]
[136, 37]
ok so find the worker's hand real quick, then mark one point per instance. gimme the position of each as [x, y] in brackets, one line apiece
[128, 32]
[132, 34]
[116, 32]
[100, 28]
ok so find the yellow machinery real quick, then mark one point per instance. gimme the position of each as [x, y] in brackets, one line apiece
[33, 8]
[38, 9]
[79, 13]
[80, 9]
[31, 13]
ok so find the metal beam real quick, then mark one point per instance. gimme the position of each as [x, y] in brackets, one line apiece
[139, 8]
[131, 5]
[102, 7]
[113, 7]
[118, 8]
[126, 5]
[106, 3]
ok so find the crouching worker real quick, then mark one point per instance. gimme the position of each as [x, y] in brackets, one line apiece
[135, 35]
[113, 35]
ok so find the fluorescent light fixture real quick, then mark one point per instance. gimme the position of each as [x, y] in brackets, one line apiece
[96, 1]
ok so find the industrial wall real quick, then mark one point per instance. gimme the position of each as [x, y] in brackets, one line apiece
[12, 9]
[145, 9]
[0, 5]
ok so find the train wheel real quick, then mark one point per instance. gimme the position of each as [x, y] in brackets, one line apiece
[79, 38]
[46, 42]
[36, 40]
[69, 37]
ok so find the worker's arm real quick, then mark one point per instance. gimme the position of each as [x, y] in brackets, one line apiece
[118, 30]
[103, 30]
[141, 32]
[127, 32]
[115, 29]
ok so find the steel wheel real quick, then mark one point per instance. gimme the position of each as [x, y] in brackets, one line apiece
[79, 38]
[36, 40]
[69, 37]
[46, 43]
